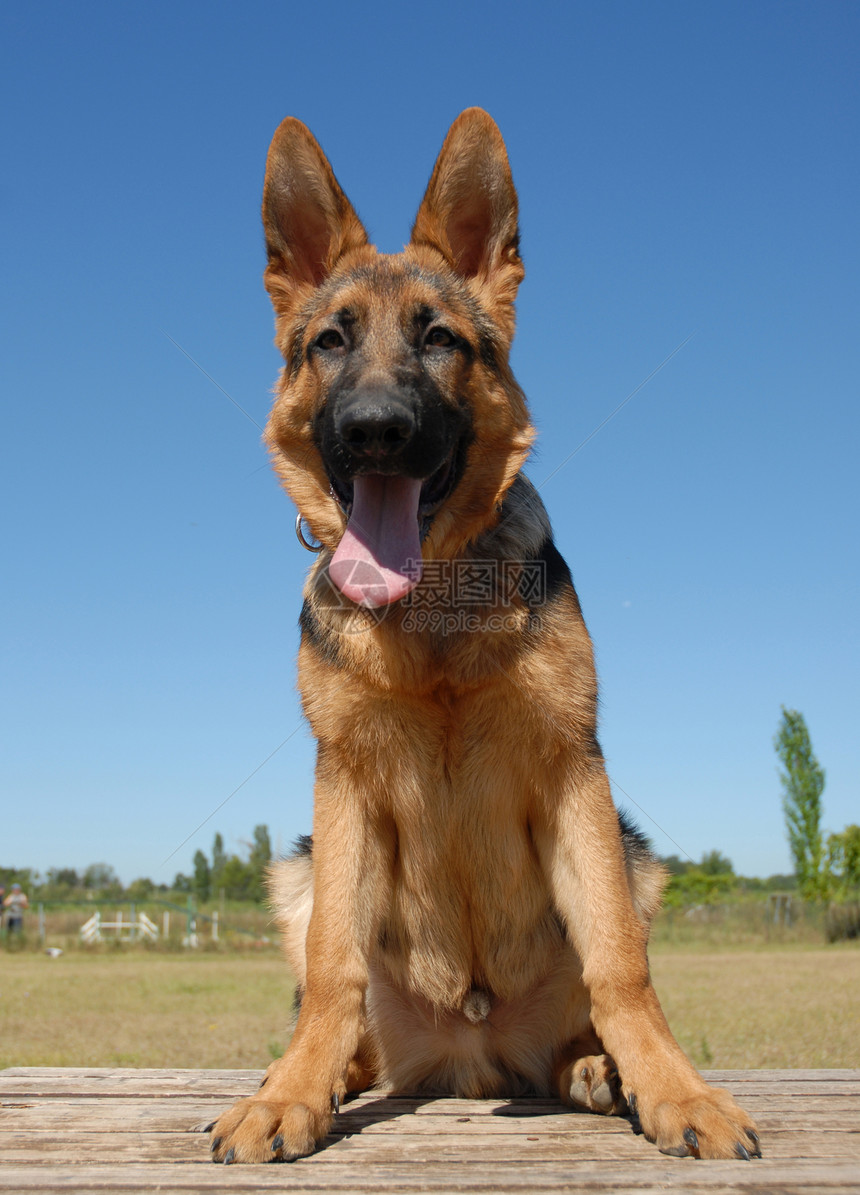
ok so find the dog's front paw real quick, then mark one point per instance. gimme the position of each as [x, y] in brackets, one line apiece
[592, 1082]
[267, 1130]
[703, 1123]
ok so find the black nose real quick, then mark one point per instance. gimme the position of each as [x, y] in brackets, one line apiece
[375, 426]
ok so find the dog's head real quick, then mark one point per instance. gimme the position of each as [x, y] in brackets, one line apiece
[398, 425]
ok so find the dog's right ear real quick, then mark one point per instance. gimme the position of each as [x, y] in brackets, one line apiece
[308, 221]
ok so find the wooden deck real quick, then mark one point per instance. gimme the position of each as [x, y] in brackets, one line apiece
[134, 1130]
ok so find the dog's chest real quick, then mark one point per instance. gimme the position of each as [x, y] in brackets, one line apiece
[455, 773]
[470, 904]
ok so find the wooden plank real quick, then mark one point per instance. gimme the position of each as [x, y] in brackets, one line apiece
[832, 1115]
[816, 1110]
[46, 1146]
[39, 1148]
[173, 1073]
[25, 1087]
[157, 1080]
[837, 1074]
[127, 1130]
[110, 1082]
[715, 1178]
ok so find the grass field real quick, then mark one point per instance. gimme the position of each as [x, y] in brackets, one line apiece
[763, 1008]
[755, 1008]
[137, 1008]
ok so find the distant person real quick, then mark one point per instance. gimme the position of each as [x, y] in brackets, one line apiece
[2, 896]
[14, 905]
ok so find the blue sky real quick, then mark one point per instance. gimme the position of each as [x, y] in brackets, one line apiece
[684, 170]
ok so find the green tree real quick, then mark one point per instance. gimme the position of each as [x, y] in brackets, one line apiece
[675, 865]
[803, 784]
[64, 877]
[714, 863]
[843, 860]
[219, 859]
[238, 880]
[101, 879]
[60, 884]
[698, 887]
[259, 859]
[202, 876]
[140, 889]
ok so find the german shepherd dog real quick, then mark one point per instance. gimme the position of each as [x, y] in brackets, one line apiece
[471, 915]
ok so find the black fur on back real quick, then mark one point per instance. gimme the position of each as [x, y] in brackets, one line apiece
[637, 846]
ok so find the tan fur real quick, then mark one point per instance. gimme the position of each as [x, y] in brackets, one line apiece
[471, 919]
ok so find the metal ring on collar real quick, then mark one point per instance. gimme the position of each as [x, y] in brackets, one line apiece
[301, 537]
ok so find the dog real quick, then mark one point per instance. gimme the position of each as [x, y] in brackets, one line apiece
[471, 914]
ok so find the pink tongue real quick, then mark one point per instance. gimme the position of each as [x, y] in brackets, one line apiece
[378, 560]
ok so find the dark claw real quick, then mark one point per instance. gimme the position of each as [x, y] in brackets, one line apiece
[215, 1144]
[335, 1102]
[277, 1143]
[676, 1151]
[742, 1151]
[631, 1103]
[229, 1156]
[210, 1127]
[263, 1084]
[691, 1139]
[754, 1138]
[584, 1073]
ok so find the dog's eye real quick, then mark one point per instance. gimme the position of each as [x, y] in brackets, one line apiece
[439, 338]
[329, 340]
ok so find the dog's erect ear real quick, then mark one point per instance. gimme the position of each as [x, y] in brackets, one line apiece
[469, 211]
[308, 221]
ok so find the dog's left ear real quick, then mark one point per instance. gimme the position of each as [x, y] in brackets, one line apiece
[469, 211]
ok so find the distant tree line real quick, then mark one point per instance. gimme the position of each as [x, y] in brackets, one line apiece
[826, 866]
[713, 879]
[236, 877]
[99, 881]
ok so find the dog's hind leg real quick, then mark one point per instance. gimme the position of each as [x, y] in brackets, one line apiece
[586, 1077]
[291, 894]
[360, 1074]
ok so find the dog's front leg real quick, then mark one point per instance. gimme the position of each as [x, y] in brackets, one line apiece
[291, 1113]
[585, 861]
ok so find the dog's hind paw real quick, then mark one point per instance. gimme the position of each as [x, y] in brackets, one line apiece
[592, 1083]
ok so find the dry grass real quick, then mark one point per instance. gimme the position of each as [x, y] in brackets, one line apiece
[138, 1008]
[767, 1008]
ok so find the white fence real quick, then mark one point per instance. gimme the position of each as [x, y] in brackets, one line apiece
[137, 927]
